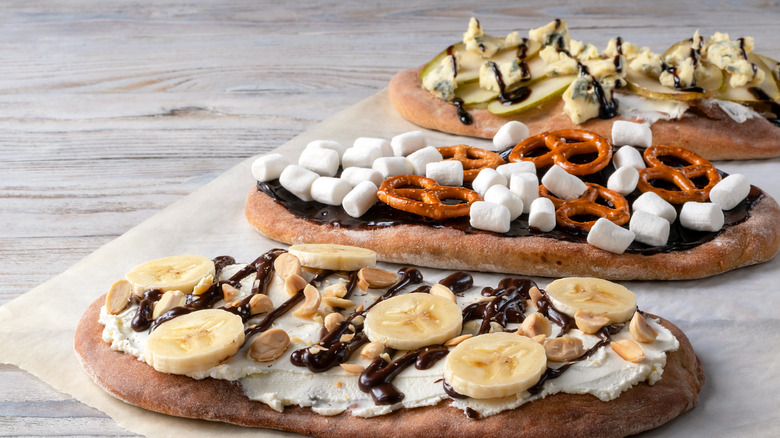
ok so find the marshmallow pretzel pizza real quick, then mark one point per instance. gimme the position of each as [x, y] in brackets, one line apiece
[319, 341]
[714, 96]
[558, 203]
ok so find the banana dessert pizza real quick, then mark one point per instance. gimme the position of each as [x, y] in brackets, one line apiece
[560, 203]
[713, 95]
[318, 340]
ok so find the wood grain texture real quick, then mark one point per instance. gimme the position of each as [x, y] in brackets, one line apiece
[111, 110]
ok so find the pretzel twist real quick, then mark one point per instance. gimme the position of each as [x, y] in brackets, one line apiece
[586, 205]
[419, 195]
[473, 159]
[681, 177]
[561, 146]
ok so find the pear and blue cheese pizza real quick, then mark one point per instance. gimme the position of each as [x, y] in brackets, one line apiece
[319, 340]
[713, 94]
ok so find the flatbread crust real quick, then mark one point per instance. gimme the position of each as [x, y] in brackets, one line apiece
[753, 241]
[640, 408]
[704, 129]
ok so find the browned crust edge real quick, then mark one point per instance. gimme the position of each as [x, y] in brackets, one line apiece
[640, 408]
[707, 131]
[753, 241]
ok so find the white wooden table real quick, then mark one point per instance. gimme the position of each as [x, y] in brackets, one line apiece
[111, 110]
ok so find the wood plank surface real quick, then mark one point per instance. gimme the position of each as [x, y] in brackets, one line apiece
[111, 110]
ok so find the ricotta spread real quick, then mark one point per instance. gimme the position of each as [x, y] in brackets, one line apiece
[279, 383]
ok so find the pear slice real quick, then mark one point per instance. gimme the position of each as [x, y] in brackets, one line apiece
[648, 86]
[469, 62]
[541, 92]
[472, 94]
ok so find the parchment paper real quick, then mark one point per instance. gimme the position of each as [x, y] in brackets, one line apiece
[732, 319]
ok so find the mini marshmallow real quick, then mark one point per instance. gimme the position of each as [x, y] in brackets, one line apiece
[702, 216]
[509, 135]
[610, 237]
[542, 214]
[488, 216]
[422, 157]
[392, 166]
[323, 161]
[520, 167]
[623, 180]
[526, 186]
[360, 157]
[499, 194]
[730, 191]
[562, 184]
[628, 156]
[371, 143]
[651, 203]
[327, 144]
[408, 142]
[486, 178]
[356, 175]
[329, 190]
[445, 173]
[649, 229]
[630, 133]
[298, 181]
[269, 167]
[360, 199]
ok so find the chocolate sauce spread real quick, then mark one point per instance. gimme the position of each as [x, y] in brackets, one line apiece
[381, 215]
[377, 378]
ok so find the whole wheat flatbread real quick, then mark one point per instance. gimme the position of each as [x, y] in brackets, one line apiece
[640, 408]
[704, 129]
[755, 240]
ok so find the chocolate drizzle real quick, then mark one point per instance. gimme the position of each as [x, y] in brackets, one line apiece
[463, 115]
[506, 306]
[377, 378]
[143, 316]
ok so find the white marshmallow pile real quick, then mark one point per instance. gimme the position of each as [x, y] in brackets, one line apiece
[563, 184]
[509, 135]
[510, 190]
[630, 133]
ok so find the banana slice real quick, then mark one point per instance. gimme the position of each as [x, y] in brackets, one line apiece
[413, 320]
[194, 342]
[181, 272]
[595, 296]
[333, 257]
[495, 365]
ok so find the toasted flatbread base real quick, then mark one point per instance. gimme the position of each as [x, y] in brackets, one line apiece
[704, 129]
[640, 408]
[753, 241]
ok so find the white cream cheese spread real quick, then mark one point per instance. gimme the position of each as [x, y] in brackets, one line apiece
[279, 383]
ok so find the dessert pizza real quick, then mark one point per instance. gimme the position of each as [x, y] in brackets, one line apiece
[559, 203]
[713, 95]
[318, 340]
